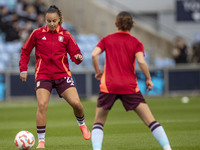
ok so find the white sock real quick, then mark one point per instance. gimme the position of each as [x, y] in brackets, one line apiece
[41, 133]
[80, 120]
[97, 136]
[160, 135]
[167, 147]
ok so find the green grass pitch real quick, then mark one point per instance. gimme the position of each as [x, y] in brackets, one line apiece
[122, 131]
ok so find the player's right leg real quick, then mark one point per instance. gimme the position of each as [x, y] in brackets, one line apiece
[97, 131]
[158, 132]
[42, 100]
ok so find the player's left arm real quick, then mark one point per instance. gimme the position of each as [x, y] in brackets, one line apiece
[144, 68]
[79, 57]
[73, 50]
[95, 61]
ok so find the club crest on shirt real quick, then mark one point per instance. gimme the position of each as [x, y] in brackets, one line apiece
[60, 38]
[38, 84]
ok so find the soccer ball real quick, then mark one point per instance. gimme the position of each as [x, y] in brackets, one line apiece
[24, 140]
[185, 99]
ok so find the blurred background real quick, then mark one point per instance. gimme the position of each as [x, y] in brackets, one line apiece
[169, 30]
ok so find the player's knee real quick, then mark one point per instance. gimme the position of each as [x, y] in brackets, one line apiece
[77, 105]
[42, 107]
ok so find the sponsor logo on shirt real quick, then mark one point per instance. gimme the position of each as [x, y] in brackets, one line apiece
[60, 38]
[44, 38]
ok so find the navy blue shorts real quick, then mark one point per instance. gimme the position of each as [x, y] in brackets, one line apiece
[59, 84]
[129, 101]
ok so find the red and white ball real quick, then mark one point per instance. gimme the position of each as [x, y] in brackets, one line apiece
[24, 140]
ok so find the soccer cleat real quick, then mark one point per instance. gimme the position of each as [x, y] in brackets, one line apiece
[86, 132]
[41, 144]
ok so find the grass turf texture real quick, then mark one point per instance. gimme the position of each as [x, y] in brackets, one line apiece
[123, 131]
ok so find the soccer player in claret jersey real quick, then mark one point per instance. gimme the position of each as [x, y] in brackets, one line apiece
[118, 81]
[52, 43]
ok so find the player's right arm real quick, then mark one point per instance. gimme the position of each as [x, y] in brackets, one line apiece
[25, 56]
[96, 52]
[144, 68]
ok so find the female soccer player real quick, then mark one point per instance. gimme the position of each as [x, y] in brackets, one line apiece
[52, 43]
[119, 80]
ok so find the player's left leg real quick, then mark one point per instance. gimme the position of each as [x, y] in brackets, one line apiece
[104, 105]
[158, 132]
[71, 96]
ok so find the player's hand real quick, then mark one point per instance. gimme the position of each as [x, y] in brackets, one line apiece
[149, 85]
[98, 75]
[23, 76]
[78, 57]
